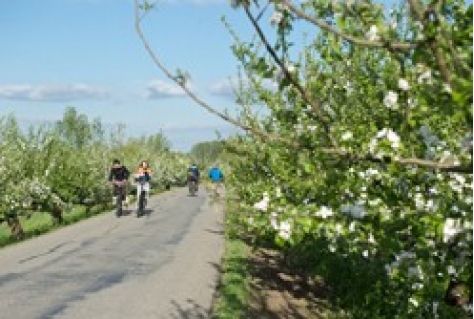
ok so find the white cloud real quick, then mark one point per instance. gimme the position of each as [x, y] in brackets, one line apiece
[223, 87]
[158, 89]
[51, 93]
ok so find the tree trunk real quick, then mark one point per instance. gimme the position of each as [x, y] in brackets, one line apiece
[15, 228]
[57, 214]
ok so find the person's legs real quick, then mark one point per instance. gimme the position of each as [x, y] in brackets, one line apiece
[139, 190]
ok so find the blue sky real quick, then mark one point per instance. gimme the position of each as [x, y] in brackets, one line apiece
[86, 54]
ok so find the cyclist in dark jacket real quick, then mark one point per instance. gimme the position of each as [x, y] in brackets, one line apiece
[118, 176]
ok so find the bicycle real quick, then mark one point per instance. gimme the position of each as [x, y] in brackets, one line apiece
[119, 191]
[193, 188]
[142, 187]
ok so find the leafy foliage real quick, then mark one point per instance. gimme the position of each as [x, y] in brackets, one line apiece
[54, 168]
[361, 171]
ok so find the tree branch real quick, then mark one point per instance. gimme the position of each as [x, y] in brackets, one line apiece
[264, 135]
[403, 46]
[277, 138]
[302, 92]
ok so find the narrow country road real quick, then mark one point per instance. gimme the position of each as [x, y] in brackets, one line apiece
[162, 265]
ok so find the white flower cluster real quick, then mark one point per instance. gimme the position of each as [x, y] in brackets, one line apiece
[373, 34]
[283, 228]
[263, 204]
[403, 85]
[324, 212]
[357, 210]
[424, 74]
[369, 173]
[387, 134]
[403, 257]
[391, 100]
[346, 136]
[451, 228]
[278, 15]
[279, 75]
[424, 204]
[276, 18]
[458, 183]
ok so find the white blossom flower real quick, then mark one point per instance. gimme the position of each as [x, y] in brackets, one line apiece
[388, 269]
[365, 253]
[417, 286]
[346, 136]
[393, 138]
[278, 192]
[416, 272]
[352, 226]
[357, 211]
[414, 302]
[375, 202]
[425, 77]
[447, 88]
[435, 309]
[372, 34]
[451, 270]
[285, 230]
[276, 18]
[281, 7]
[391, 100]
[280, 75]
[274, 220]
[451, 228]
[371, 239]
[290, 67]
[263, 204]
[403, 84]
[348, 87]
[324, 212]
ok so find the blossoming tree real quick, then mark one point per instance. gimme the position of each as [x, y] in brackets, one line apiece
[362, 169]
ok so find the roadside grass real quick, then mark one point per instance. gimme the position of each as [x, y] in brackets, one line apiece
[233, 289]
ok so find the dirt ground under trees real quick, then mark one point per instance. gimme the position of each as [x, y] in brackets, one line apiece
[277, 292]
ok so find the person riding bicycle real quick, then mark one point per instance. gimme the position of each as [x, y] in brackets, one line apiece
[118, 176]
[143, 176]
[193, 173]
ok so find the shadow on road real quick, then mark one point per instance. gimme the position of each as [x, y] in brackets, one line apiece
[133, 212]
[189, 311]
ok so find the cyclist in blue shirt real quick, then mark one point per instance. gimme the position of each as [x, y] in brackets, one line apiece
[217, 178]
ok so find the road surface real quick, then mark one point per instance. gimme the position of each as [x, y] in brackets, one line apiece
[162, 265]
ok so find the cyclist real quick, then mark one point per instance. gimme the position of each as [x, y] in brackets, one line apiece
[118, 176]
[217, 178]
[142, 177]
[193, 175]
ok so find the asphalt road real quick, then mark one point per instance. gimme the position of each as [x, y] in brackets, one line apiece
[162, 265]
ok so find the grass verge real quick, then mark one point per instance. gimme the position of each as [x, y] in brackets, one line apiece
[233, 290]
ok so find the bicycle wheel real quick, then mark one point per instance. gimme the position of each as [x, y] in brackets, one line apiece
[118, 202]
[141, 204]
